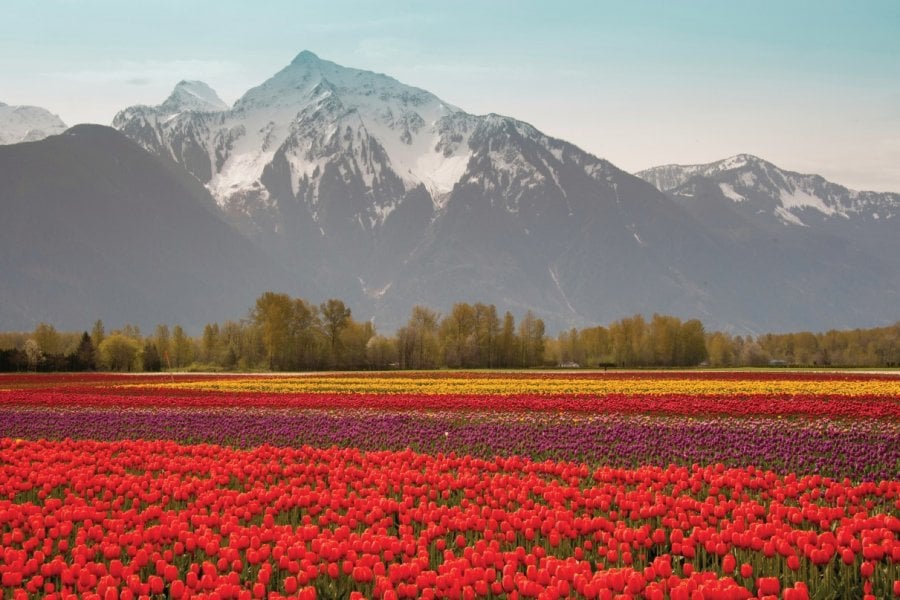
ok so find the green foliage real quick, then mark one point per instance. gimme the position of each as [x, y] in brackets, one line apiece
[209, 343]
[531, 340]
[182, 348]
[284, 333]
[382, 352]
[150, 359]
[507, 344]
[47, 339]
[417, 342]
[273, 315]
[458, 335]
[664, 341]
[119, 353]
[335, 319]
[85, 356]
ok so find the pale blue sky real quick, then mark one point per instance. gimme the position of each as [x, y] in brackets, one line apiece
[812, 86]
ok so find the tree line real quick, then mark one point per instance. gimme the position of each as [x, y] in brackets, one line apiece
[666, 341]
[281, 333]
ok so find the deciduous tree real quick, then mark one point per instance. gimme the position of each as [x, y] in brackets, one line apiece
[119, 353]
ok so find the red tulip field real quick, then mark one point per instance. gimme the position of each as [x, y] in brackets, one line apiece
[454, 485]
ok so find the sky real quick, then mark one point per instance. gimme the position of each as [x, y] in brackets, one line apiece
[811, 86]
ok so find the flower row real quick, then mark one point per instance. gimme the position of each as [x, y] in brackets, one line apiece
[835, 407]
[861, 449]
[501, 384]
[467, 382]
[139, 518]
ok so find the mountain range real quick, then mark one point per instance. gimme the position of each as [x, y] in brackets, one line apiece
[27, 124]
[338, 182]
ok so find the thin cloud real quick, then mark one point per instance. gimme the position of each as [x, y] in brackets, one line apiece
[146, 72]
[368, 24]
[386, 48]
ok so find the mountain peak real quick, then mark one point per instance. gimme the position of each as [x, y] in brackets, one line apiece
[738, 160]
[382, 193]
[305, 57]
[193, 96]
[668, 177]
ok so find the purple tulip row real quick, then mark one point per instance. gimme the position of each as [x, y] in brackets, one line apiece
[860, 450]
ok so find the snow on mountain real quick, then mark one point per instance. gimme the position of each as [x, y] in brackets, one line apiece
[352, 176]
[193, 96]
[405, 121]
[179, 127]
[792, 197]
[669, 177]
[311, 116]
[27, 124]
[387, 196]
[315, 113]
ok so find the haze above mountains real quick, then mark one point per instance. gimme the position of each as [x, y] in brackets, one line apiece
[326, 181]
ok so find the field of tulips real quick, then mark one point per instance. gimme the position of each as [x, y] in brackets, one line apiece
[456, 485]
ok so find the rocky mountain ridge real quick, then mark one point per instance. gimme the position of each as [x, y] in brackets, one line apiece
[765, 187]
[27, 124]
[387, 196]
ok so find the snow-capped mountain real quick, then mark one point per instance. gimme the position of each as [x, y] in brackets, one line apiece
[349, 170]
[27, 124]
[192, 96]
[386, 196]
[793, 198]
[837, 249]
[277, 150]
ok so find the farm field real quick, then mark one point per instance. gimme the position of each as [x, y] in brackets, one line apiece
[451, 484]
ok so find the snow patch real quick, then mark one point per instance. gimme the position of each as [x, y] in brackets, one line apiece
[374, 293]
[557, 153]
[238, 174]
[555, 278]
[383, 212]
[799, 198]
[440, 173]
[734, 162]
[748, 179]
[788, 217]
[729, 192]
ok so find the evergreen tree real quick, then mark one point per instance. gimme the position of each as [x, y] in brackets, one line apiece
[150, 358]
[84, 358]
